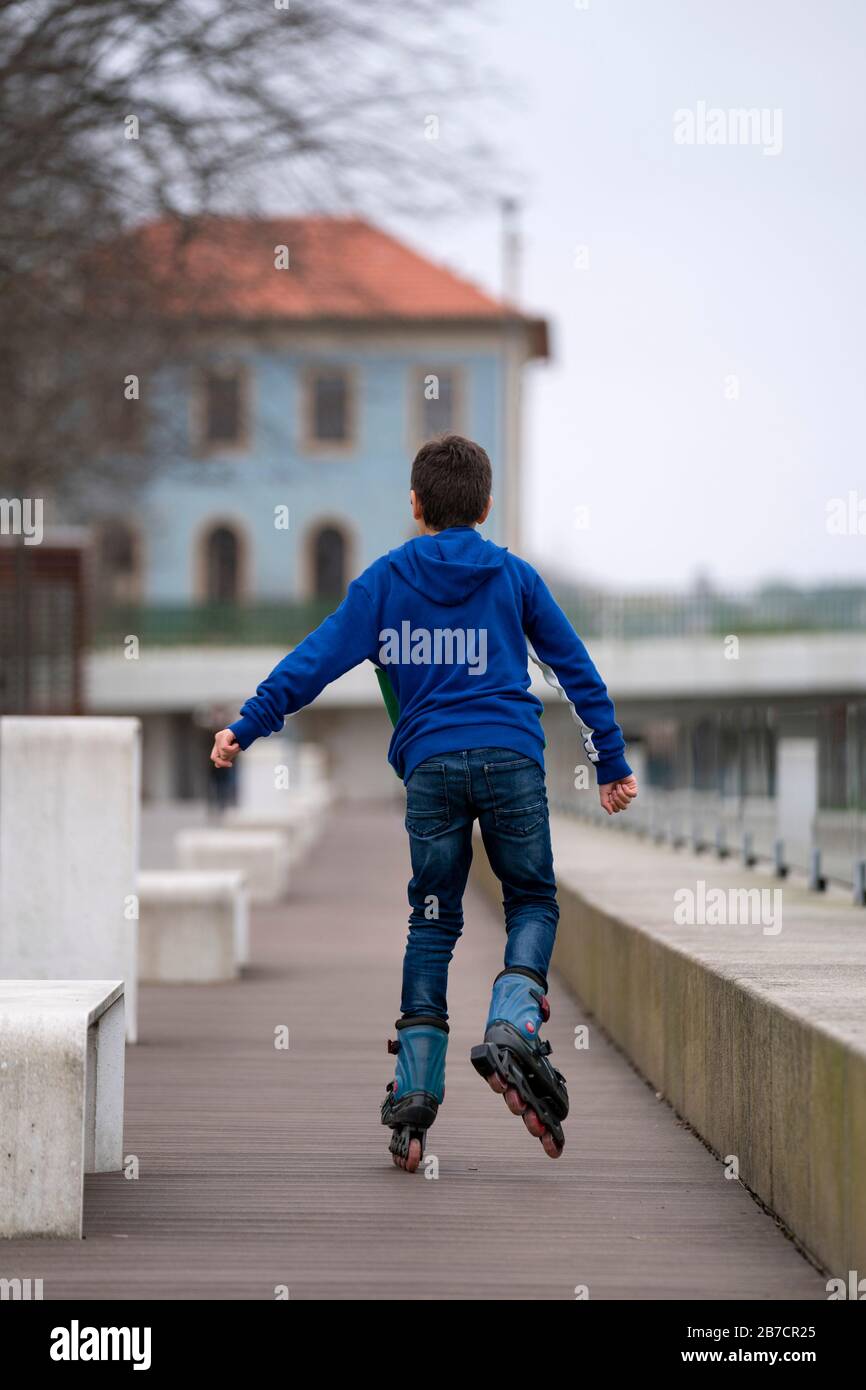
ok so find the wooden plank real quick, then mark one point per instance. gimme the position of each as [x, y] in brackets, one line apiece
[261, 1167]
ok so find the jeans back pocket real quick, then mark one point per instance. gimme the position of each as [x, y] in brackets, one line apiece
[517, 795]
[427, 809]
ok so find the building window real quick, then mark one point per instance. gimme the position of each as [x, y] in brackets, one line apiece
[439, 393]
[329, 409]
[117, 555]
[223, 420]
[329, 563]
[222, 565]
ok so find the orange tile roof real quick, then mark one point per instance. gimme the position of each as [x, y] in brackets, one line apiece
[339, 268]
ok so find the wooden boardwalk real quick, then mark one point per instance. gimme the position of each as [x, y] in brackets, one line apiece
[262, 1167]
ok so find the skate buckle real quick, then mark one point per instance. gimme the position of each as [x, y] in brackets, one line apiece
[393, 1047]
[543, 1004]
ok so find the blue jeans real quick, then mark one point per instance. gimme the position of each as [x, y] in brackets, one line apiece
[506, 792]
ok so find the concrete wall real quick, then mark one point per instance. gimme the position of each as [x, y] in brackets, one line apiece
[757, 1041]
[639, 675]
[752, 1080]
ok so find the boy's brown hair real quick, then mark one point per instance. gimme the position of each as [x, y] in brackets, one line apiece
[452, 480]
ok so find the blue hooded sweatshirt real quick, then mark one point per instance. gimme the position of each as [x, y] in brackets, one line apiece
[451, 618]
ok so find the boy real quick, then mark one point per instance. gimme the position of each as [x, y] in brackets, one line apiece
[450, 617]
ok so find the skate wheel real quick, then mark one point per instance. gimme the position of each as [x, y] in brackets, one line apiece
[409, 1160]
[496, 1083]
[513, 1101]
[533, 1123]
[550, 1146]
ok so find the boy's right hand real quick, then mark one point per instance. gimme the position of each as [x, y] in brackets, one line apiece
[225, 748]
[617, 796]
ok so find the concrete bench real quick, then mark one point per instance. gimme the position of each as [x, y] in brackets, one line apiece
[261, 855]
[69, 832]
[282, 784]
[61, 1099]
[193, 925]
[311, 775]
[311, 763]
[299, 822]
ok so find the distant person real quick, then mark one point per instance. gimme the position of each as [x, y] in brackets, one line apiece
[451, 618]
[222, 792]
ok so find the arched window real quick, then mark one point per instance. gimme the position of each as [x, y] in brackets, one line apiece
[329, 563]
[118, 568]
[222, 565]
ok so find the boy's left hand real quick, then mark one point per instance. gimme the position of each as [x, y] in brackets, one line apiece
[225, 748]
[617, 796]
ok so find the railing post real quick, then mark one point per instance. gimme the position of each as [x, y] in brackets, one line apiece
[780, 868]
[748, 853]
[860, 882]
[817, 881]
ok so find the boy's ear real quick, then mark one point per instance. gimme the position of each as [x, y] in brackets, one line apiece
[417, 509]
[485, 514]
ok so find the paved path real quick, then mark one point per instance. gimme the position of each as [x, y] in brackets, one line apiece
[261, 1167]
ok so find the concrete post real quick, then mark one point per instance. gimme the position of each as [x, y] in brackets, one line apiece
[797, 796]
[69, 833]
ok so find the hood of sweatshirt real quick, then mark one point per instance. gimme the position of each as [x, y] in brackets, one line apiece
[450, 566]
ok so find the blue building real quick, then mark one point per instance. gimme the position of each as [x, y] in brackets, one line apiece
[324, 352]
[314, 356]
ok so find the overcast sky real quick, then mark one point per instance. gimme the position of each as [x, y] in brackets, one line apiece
[705, 263]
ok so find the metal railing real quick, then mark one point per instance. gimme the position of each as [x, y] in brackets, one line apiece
[594, 615]
[712, 782]
[211, 624]
[643, 615]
